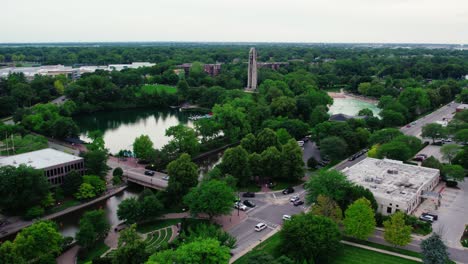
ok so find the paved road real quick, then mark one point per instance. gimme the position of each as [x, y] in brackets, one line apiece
[446, 111]
[310, 150]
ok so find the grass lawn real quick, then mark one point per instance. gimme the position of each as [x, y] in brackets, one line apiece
[157, 88]
[385, 247]
[63, 206]
[99, 249]
[349, 254]
[161, 223]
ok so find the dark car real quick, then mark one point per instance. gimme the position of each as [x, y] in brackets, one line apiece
[438, 143]
[352, 158]
[248, 194]
[288, 190]
[298, 202]
[249, 203]
[149, 173]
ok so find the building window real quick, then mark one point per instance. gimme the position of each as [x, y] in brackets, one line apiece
[389, 210]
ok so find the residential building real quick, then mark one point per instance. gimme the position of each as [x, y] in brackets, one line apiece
[396, 186]
[55, 164]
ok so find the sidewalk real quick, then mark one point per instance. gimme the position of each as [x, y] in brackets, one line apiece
[253, 245]
[381, 251]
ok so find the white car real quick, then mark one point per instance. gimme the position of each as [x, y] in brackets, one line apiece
[260, 226]
[300, 143]
[294, 198]
[166, 178]
[240, 206]
[286, 217]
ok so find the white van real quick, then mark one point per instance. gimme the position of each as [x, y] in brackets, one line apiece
[260, 226]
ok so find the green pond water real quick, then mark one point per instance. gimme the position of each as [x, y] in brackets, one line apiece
[351, 106]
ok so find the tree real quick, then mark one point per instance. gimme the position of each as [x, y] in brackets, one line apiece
[117, 176]
[333, 147]
[394, 150]
[22, 187]
[143, 148]
[86, 191]
[95, 161]
[207, 251]
[462, 158]
[212, 198]
[330, 183]
[392, 118]
[150, 206]
[132, 249]
[434, 250]
[432, 162]
[415, 99]
[397, 232]
[232, 120]
[384, 135]
[183, 176]
[207, 128]
[433, 131]
[328, 208]
[38, 241]
[236, 163]
[462, 136]
[72, 182]
[293, 165]
[453, 172]
[8, 254]
[93, 226]
[98, 184]
[449, 151]
[366, 112]
[283, 106]
[97, 140]
[283, 136]
[265, 139]
[184, 139]
[310, 238]
[270, 163]
[129, 210]
[359, 219]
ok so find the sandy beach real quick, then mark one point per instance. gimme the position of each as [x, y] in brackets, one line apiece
[343, 94]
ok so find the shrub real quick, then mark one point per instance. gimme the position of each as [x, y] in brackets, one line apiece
[311, 163]
[464, 242]
[34, 212]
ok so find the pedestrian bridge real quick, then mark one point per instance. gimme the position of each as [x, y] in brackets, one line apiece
[154, 182]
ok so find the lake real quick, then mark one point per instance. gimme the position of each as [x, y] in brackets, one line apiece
[351, 106]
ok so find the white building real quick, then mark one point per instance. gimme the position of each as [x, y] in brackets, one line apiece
[396, 186]
[55, 164]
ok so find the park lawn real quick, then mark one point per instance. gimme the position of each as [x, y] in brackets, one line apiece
[99, 249]
[161, 223]
[157, 88]
[354, 255]
[268, 246]
[385, 247]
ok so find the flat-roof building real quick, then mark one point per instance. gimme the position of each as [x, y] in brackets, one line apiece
[396, 186]
[55, 164]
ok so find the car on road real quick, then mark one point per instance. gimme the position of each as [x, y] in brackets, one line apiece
[300, 143]
[248, 194]
[260, 226]
[240, 206]
[420, 157]
[249, 203]
[294, 198]
[434, 216]
[426, 218]
[149, 173]
[286, 217]
[298, 202]
[288, 190]
[447, 140]
[166, 178]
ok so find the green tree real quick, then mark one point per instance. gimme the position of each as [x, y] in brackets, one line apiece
[132, 249]
[328, 208]
[183, 88]
[462, 158]
[86, 191]
[117, 176]
[249, 143]
[366, 112]
[384, 135]
[150, 206]
[98, 184]
[96, 162]
[433, 131]
[207, 251]
[283, 136]
[462, 136]
[207, 128]
[38, 241]
[143, 148]
[359, 219]
[333, 147]
[183, 176]
[97, 140]
[434, 250]
[129, 210]
[236, 162]
[184, 139]
[232, 120]
[319, 115]
[310, 238]
[283, 106]
[293, 165]
[72, 182]
[265, 139]
[8, 254]
[93, 226]
[212, 198]
[453, 172]
[392, 118]
[449, 151]
[432, 162]
[394, 150]
[397, 232]
[270, 163]
[415, 99]
[330, 183]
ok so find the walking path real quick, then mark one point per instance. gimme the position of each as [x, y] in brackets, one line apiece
[69, 256]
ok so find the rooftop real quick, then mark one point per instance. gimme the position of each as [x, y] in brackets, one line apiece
[390, 179]
[39, 159]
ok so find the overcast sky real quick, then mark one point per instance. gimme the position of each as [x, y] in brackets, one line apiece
[376, 21]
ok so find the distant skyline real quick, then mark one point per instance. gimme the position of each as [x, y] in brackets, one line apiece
[334, 21]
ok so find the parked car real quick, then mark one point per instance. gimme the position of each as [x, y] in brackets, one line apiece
[437, 143]
[426, 218]
[240, 206]
[149, 173]
[298, 202]
[294, 198]
[305, 139]
[353, 157]
[288, 190]
[447, 140]
[420, 157]
[300, 143]
[249, 203]
[248, 194]
[260, 226]
[434, 216]
[286, 217]
[166, 178]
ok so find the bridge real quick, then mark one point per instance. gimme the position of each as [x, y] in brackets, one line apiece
[154, 182]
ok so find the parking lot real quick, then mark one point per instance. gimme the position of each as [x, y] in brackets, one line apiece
[431, 150]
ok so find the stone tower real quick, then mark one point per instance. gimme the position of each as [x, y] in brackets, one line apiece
[252, 72]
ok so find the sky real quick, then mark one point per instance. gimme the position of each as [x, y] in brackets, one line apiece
[337, 21]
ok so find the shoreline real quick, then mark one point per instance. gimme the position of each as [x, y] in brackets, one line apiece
[344, 95]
